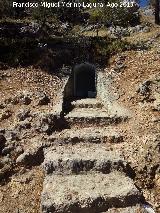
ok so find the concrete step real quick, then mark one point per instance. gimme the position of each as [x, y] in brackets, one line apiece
[92, 117]
[90, 193]
[87, 103]
[81, 159]
[89, 135]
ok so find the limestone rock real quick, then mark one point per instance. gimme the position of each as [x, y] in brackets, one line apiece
[46, 122]
[93, 117]
[5, 114]
[31, 157]
[118, 31]
[23, 97]
[23, 114]
[2, 131]
[19, 150]
[5, 169]
[2, 105]
[5, 160]
[156, 103]
[26, 100]
[8, 149]
[23, 125]
[144, 87]
[11, 135]
[43, 98]
[30, 29]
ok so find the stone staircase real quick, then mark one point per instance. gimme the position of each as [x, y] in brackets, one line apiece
[91, 112]
[109, 135]
[83, 178]
[83, 174]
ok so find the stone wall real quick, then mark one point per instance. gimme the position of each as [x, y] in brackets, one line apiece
[108, 96]
[69, 88]
[103, 91]
[59, 106]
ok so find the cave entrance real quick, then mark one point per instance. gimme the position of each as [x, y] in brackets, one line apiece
[84, 81]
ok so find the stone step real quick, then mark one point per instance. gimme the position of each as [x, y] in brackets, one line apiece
[87, 103]
[92, 117]
[81, 159]
[90, 193]
[130, 209]
[89, 135]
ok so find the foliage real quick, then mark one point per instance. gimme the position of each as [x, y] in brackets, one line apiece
[21, 49]
[107, 15]
[121, 16]
[41, 14]
[105, 47]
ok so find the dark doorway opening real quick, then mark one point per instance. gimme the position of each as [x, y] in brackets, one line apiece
[84, 81]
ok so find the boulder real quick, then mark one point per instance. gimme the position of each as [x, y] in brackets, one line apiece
[11, 135]
[42, 98]
[144, 88]
[5, 114]
[23, 114]
[2, 105]
[156, 103]
[8, 149]
[31, 157]
[26, 100]
[2, 131]
[23, 125]
[5, 171]
[46, 122]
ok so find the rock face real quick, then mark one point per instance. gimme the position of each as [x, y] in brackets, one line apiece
[117, 32]
[92, 113]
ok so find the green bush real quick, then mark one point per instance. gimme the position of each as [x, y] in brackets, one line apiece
[105, 47]
[120, 16]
